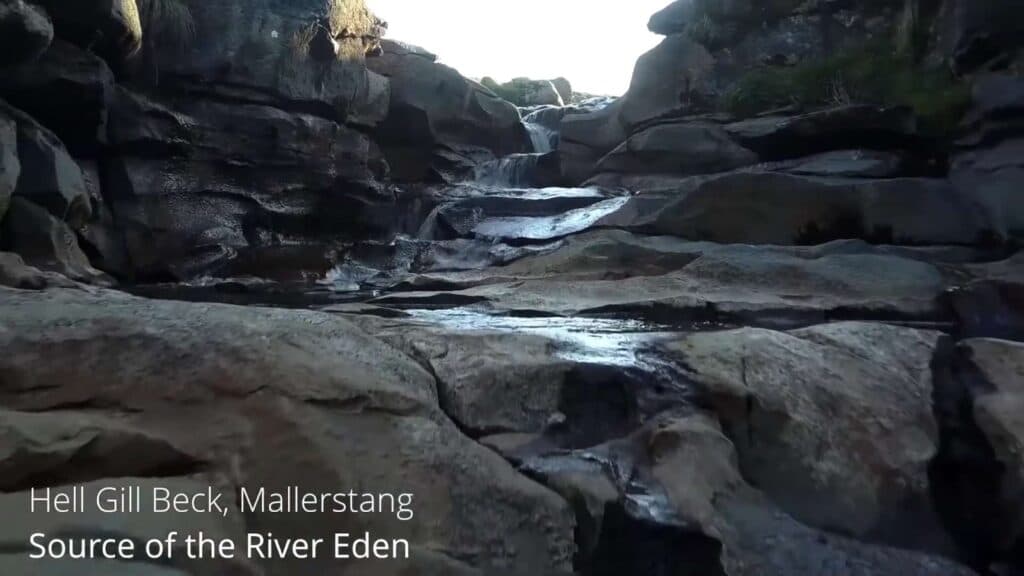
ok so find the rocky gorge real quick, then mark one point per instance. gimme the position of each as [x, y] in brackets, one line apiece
[763, 315]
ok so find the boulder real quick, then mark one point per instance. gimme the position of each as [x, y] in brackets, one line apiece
[10, 167]
[112, 27]
[834, 422]
[775, 208]
[679, 148]
[845, 164]
[586, 138]
[671, 80]
[69, 91]
[434, 108]
[16, 274]
[992, 304]
[992, 371]
[26, 31]
[564, 88]
[49, 176]
[527, 92]
[982, 34]
[280, 398]
[837, 128]
[47, 243]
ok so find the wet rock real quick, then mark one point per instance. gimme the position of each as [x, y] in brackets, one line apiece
[739, 284]
[48, 176]
[682, 149]
[838, 128]
[26, 32]
[282, 398]
[69, 91]
[432, 107]
[47, 243]
[832, 422]
[526, 214]
[16, 274]
[773, 208]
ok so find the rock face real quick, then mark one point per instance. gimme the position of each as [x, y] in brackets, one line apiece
[112, 26]
[435, 110]
[276, 411]
[10, 167]
[769, 208]
[26, 32]
[48, 175]
[46, 243]
[67, 88]
[860, 469]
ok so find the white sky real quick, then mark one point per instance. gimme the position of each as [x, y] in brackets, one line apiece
[593, 43]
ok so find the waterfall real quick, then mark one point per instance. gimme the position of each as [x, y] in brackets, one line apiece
[514, 170]
[542, 138]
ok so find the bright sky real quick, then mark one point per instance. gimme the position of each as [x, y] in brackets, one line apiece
[593, 43]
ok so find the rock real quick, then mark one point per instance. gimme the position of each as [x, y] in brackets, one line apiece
[47, 243]
[527, 92]
[530, 214]
[992, 371]
[734, 284]
[861, 469]
[112, 27]
[49, 176]
[283, 398]
[992, 305]
[586, 138]
[300, 56]
[193, 185]
[15, 274]
[987, 165]
[434, 107]
[10, 167]
[770, 208]
[564, 88]
[69, 91]
[983, 34]
[844, 164]
[671, 80]
[26, 32]
[682, 149]
[37, 448]
[837, 128]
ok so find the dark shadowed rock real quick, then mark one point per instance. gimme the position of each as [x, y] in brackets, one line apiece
[49, 176]
[844, 164]
[110, 26]
[46, 243]
[25, 32]
[10, 167]
[854, 126]
[433, 107]
[586, 138]
[773, 208]
[670, 80]
[68, 90]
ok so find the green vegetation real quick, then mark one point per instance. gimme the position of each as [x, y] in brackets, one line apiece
[878, 74]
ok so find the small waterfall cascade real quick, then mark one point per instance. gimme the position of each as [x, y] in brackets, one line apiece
[543, 139]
